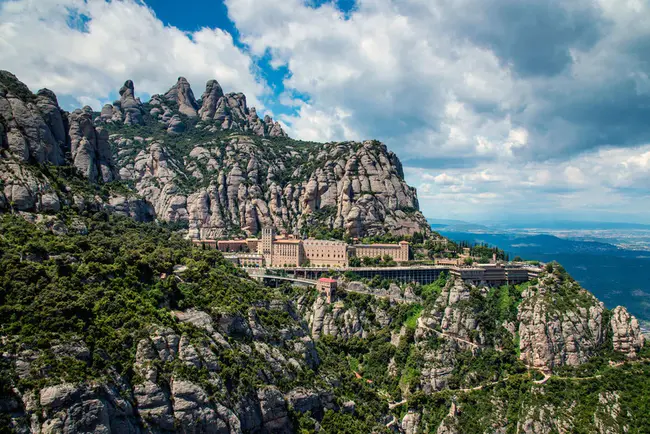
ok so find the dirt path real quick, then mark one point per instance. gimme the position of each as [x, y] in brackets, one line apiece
[547, 376]
[456, 338]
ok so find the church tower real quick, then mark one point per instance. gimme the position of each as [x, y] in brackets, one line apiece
[266, 246]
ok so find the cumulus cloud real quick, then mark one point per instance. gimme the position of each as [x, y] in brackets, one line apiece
[516, 100]
[87, 50]
[609, 182]
[491, 105]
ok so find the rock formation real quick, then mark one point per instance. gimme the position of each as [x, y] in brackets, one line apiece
[130, 105]
[210, 102]
[34, 128]
[627, 337]
[559, 324]
[240, 185]
[218, 185]
[91, 152]
[181, 94]
[127, 110]
[178, 404]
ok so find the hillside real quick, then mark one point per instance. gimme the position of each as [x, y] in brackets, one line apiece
[109, 325]
[212, 166]
[616, 276]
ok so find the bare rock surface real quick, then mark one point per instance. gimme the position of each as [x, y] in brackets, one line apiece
[627, 337]
[559, 324]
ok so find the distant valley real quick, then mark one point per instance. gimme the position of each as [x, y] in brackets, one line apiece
[616, 275]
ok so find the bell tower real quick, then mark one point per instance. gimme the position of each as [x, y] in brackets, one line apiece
[266, 246]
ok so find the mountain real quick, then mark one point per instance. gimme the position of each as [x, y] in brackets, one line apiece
[211, 165]
[111, 321]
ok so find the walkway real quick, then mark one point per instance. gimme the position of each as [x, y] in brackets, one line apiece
[547, 376]
[307, 282]
[448, 336]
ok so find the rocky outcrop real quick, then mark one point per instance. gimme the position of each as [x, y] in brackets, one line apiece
[128, 109]
[22, 190]
[218, 186]
[240, 185]
[610, 416]
[130, 105]
[210, 101]
[411, 422]
[545, 418]
[231, 112]
[275, 416]
[157, 402]
[337, 320]
[449, 424]
[559, 324]
[89, 147]
[33, 126]
[452, 321]
[452, 317]
[626, 334]
[181, 94]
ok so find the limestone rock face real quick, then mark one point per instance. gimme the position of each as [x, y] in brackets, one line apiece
[54, 117]
[109, 114]
[175, 125]
[210, 100]
[559, 329]
[411, 423]
[274, 410]
[627, 337]
[217, 186]
[454, 318]
[181, 93]
[89, 146]
[239, 185]
[334, 321]
[130, 105]
[22, 190]
[33, 125]
[231, 112]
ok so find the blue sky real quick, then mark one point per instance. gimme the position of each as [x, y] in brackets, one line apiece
[498, 109]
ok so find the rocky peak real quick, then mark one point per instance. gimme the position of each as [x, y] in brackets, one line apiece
[127, 90]
[627, 337]
[91, 152]
[210, 100]
[130, 105]
[54, 117]
[34, 127]
[561, 324]
[181, 93]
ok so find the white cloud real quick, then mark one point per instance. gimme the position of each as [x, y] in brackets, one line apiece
[497, 104]
[123, 40]
[608, 182]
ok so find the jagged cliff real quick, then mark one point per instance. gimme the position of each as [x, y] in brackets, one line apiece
[212, 165]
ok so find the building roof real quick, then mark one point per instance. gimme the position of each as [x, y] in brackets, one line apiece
[326, 280]
[287, 241]
[394, 246]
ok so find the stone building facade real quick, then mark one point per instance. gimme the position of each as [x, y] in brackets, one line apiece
[321, 253]
[399, 252]
[289, 251]
[326, 286]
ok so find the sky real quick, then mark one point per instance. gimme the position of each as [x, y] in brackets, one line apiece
[500, 110]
